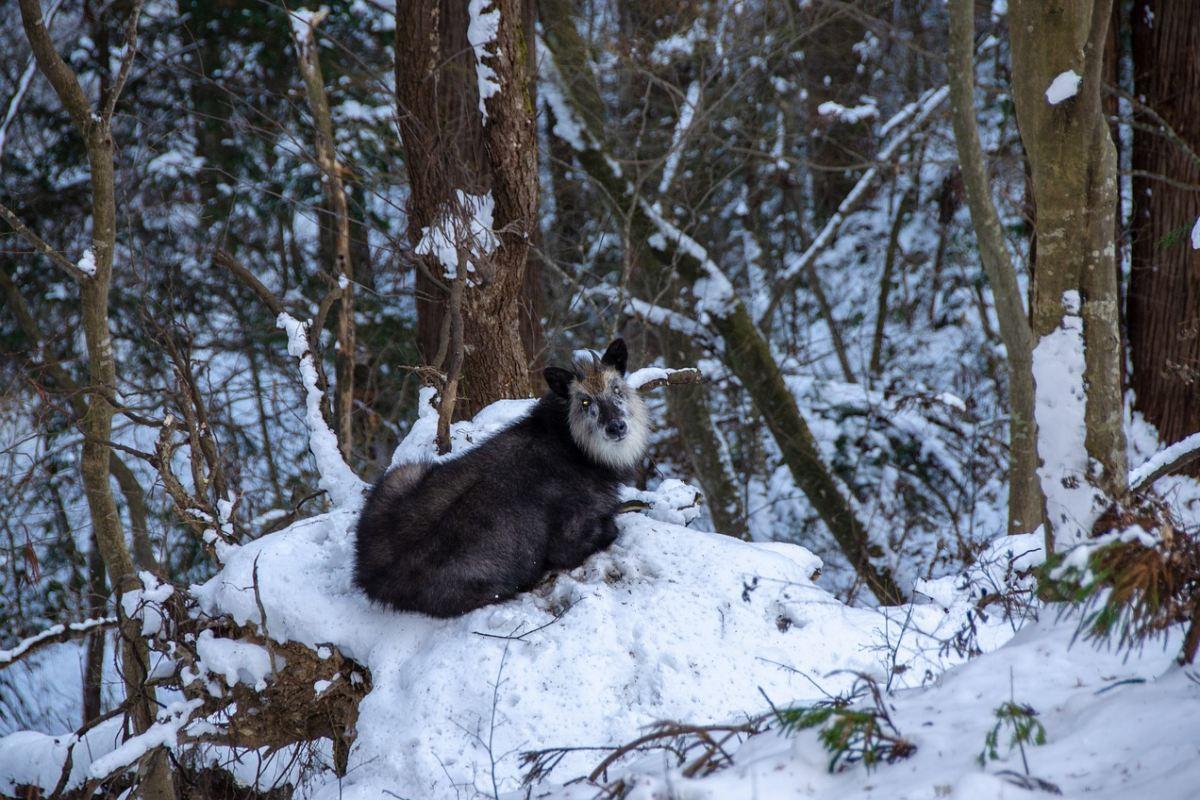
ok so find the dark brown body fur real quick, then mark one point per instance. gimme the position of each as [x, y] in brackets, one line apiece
[446, 538]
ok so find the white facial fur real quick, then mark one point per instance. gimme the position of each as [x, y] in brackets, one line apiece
[608, 386]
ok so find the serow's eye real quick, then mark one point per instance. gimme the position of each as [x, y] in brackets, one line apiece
[617, 391]
[585, 402]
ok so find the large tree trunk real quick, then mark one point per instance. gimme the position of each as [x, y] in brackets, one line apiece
[1074, 169]
[450, 148]
[1164, 284]
[1024, 492]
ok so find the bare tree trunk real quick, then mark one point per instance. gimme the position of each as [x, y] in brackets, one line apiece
[1024, 492]
[94, 127]
[875, 363]
[93, 669]
[1074, 169]
[450, 148]
[335, 197]
[1164, 290]
[688, 406]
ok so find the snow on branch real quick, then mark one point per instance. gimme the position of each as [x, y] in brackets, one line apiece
[714, 293]
[715, 296]
[653, 377]
[1166, 461]
[53, 635]
[918, 114]
[682, 127]
[164, 733]
[345, 488]
[304, 23]
[659, 316]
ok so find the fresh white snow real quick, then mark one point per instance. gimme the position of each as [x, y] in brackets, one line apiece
[87, 262]
[464, 228]
[1064, 86]
[1072, 503]
[849, 114]
[481, 33]
[345, 489]
[1116, 729]
[670, 623]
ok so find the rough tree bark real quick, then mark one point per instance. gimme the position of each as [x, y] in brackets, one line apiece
[1024, 492]
[1074, 169]
[747, 354]
[450, 148]
[1164, 281]
[94, 128]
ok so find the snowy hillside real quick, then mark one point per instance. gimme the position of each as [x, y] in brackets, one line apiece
[673, 625]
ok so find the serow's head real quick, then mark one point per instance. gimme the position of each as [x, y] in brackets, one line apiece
[607, 417]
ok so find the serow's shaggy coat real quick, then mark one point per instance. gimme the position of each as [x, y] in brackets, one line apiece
[445, 538]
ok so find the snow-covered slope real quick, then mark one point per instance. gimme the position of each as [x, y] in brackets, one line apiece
[673, 623]
[669, 624]
[1116, 728]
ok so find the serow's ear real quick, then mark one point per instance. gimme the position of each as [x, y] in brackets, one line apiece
[616, 356]
[559, 380]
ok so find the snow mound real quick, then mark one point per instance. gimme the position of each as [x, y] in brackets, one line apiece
[670, 623]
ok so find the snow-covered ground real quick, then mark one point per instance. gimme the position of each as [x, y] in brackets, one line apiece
[677, 624]
[1115, 728]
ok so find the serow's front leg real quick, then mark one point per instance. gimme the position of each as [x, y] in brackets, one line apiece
[575, 543]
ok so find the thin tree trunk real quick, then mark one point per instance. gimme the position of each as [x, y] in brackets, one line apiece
[1024, 492]
[885, 287]
[1164, 290]
[1073, 163]
[93, 670]
[309, 61]
[93, 126]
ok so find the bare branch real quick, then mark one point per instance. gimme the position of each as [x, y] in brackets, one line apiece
[226, 261]
[109, 102]
[40, 245]
[61, 77]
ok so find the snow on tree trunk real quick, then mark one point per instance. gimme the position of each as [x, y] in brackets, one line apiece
[481, 145]
[1072, 503]
[1073, 164]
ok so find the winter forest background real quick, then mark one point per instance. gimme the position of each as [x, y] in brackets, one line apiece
[937, 263]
